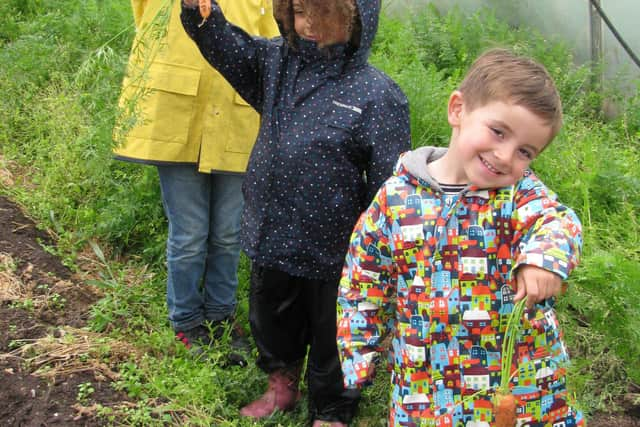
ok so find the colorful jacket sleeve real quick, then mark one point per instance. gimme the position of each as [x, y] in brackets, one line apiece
[237, 55]
[547, 234]
[365, 293]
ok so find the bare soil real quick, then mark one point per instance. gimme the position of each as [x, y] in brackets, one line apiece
[39, 298]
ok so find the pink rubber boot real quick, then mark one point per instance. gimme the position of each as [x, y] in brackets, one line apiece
[282, 394]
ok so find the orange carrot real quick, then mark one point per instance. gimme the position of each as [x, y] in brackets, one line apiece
[205, 8]
[504, 406]
[504, 403]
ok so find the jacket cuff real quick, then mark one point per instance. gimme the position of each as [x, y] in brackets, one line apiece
[358, 372]
[546, 261]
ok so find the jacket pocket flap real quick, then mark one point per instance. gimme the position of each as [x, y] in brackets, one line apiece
[342, 116]
[174, 78]
[240, 100]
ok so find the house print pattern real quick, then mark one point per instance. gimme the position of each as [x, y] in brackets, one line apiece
[436, 271]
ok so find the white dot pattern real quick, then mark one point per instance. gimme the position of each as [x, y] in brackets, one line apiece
[332, 128]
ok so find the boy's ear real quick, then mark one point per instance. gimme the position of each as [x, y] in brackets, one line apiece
[455, 108]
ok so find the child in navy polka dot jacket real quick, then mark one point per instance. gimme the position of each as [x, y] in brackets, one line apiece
[332, 127]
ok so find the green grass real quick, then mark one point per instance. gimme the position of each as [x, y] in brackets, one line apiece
[61, 64]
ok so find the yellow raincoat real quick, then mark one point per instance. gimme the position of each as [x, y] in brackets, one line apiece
[190, 114]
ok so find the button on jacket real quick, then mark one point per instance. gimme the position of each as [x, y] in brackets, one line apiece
[332, 127]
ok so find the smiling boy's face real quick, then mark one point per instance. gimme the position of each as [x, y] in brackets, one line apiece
[493, 144]
[305, 29]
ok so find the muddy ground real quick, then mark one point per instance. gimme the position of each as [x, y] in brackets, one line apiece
[45, 372]
[41, 304]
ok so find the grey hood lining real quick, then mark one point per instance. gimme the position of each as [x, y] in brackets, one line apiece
[415, 162]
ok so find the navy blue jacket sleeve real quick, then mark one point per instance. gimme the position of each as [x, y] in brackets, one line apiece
[238, 56]
[387, 134]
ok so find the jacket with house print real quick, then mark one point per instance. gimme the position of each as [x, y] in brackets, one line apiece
[436, 271]
[332, 127]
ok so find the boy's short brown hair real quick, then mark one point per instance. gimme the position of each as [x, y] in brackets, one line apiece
[501, 75]
[327, 16]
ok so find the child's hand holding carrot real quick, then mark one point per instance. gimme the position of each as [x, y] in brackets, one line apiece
[203, 5]
[537, 284]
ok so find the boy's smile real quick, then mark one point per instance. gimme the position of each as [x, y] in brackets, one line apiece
[491, 145]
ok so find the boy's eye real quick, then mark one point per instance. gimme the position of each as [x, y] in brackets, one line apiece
[497, 132]
[526, 154]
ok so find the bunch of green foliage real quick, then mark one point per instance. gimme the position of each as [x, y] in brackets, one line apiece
[61, 68]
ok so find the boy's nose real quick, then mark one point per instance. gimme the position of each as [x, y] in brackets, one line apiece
[504, 154]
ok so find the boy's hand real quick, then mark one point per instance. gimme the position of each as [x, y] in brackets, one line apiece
[537, 284]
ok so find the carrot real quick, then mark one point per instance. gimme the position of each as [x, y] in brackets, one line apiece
[205, 8]
[504, 402]
[504, 407]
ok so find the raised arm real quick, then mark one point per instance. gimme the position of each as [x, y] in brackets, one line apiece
[364, 295]
[238, 56]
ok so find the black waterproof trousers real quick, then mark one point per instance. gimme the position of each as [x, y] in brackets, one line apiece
[289, 315]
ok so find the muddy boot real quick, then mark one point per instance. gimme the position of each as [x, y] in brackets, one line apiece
[282, 394]
[196, 340]
[238, 342]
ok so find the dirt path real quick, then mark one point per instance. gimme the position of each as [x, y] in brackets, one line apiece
[38, 297]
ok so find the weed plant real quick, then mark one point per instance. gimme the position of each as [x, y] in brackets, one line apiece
[61, 68]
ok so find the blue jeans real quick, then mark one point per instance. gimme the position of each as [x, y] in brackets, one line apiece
[203, 246]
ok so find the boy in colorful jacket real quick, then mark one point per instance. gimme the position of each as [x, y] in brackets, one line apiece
[448, 246]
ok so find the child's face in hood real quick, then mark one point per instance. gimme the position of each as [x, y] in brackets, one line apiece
[304, 28]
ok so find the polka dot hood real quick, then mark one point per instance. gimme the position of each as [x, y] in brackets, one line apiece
[332, 128]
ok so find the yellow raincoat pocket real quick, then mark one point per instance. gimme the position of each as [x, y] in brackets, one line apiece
[242, 138]
[169, 97]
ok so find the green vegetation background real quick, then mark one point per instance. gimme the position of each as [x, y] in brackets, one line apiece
[61, 65]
